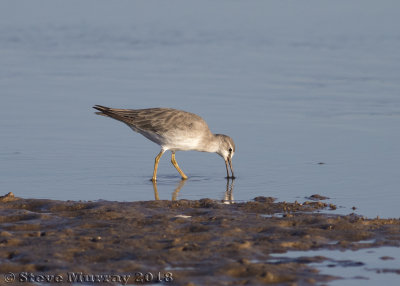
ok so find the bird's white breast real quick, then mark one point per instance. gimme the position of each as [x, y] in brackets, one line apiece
[182, 143]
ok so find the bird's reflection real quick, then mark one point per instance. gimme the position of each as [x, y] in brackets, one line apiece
[174, 194]
[228, 196]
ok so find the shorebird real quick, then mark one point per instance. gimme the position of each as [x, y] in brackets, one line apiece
[174, 130]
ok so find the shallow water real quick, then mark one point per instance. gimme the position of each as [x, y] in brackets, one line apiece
[294, 84]
[364, 266]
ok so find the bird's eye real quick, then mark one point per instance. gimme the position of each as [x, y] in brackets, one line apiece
[230, 150]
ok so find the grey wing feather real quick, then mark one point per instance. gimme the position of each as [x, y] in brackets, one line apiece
[156, 120]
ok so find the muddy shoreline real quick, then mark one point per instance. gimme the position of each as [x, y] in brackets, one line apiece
[201, 242]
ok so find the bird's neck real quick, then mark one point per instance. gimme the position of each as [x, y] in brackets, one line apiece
[212, 143]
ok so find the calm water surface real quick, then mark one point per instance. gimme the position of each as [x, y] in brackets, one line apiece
[294, 84]
[369, 267]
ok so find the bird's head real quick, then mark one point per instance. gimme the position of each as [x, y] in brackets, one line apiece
[226, 150]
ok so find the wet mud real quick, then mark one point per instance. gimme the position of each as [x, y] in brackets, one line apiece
[182, 242]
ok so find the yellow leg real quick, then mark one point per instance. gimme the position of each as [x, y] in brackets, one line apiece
[156, 165]
[173, 161]
[156, 197]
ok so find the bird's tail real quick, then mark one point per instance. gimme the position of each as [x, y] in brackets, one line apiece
[108, 112]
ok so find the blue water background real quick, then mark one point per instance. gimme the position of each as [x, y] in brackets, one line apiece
[294, 83]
